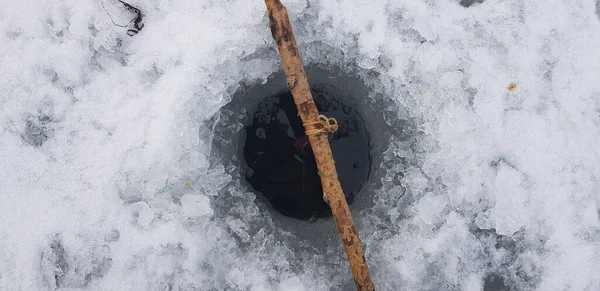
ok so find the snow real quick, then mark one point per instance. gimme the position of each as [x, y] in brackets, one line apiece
[113, 174]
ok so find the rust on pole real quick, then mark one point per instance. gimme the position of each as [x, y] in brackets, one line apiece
[317, 127]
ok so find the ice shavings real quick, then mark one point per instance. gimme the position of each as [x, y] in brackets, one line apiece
[110, 180]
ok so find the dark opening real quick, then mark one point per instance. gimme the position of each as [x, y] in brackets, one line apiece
[281, 163]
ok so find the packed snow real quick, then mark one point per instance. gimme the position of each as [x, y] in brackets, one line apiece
[115, 172]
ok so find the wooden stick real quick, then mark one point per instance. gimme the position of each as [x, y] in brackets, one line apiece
[281, 29]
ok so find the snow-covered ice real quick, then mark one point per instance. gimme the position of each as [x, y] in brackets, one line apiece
[112, 177]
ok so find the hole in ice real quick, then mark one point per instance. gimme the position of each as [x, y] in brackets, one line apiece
[260, 139]
[283, 167]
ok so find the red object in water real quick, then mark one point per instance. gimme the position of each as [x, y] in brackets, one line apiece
[301, 143]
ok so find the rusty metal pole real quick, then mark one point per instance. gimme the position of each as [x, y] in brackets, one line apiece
[281, 29]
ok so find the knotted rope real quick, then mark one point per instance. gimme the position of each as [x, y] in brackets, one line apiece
[323, 124]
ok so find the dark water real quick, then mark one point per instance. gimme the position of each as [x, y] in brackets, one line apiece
[283, 168]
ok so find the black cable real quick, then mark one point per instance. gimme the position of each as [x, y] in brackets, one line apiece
[137, 21]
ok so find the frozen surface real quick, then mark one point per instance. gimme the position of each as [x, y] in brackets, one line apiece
[109, 179]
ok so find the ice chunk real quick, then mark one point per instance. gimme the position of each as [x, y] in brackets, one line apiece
[54, 265]
[143, 213]
[76, 268]
[113, 235]
[292, 284]
[431, 206]
[510, 210]
[195, 205]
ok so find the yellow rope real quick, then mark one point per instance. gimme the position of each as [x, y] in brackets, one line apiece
[323, 124]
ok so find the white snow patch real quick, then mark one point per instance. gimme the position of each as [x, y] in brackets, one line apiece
[101, 133]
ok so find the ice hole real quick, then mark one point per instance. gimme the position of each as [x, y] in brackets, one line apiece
[260, 133]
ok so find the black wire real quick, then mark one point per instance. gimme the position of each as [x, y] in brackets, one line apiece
[137, 21]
